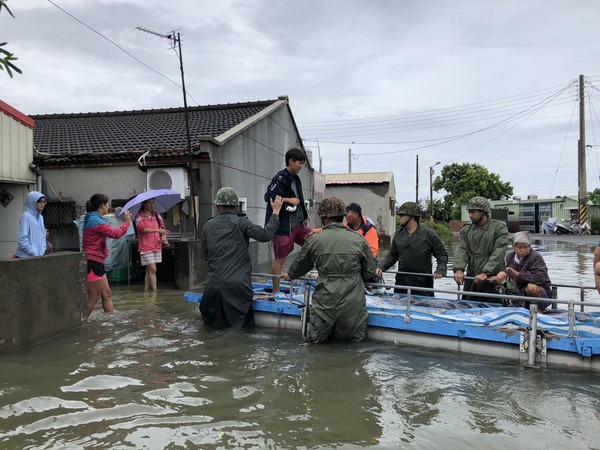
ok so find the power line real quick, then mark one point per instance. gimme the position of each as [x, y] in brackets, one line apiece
[520, 98]
[416, 124]
[119, 47]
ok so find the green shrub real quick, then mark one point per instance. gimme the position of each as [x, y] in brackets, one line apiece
[595, 223]
[441, 229]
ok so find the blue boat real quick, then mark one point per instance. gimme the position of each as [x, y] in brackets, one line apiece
[558, 337]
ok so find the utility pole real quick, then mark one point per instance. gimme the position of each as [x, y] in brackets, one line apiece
[175, 40]
[431, 189]
[417, 182]
[583, 212]
[349, 160]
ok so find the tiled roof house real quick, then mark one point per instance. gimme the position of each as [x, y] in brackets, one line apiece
[241, 145]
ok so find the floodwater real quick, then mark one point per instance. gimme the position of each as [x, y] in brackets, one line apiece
[152, 377]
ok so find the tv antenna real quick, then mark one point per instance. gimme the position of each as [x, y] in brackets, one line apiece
[175, 41]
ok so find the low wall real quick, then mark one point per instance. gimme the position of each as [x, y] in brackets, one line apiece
[189, 266]
[42, 297]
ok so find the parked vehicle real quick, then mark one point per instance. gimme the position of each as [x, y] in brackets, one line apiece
[553, 226]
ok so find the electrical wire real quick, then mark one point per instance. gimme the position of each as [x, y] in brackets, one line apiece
[534, 108]
[119, 47]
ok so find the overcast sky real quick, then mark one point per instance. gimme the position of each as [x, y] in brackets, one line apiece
[479, 81]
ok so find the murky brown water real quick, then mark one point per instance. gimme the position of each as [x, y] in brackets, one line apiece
[153, 377]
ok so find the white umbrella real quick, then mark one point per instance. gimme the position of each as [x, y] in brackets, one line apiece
[164, 200]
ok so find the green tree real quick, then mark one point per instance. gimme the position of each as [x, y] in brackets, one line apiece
[594, 197]
[7, 58]
[463, 181]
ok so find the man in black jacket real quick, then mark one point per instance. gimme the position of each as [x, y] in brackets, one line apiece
[227, 298]
[286, 183]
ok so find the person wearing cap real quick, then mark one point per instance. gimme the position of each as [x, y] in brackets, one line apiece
[227, 298]
[32, 231]
[481, 249]
[362, 225]
[526, 271]
[412, 247]
[292, 229]
[344, 261]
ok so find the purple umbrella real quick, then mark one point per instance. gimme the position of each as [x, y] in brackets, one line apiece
[164, 200]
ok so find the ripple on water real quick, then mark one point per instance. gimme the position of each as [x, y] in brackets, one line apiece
[101, 382]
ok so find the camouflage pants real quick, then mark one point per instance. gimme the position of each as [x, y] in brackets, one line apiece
[345, 329]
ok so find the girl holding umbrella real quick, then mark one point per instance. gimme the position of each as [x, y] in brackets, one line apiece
[95, 232]
[152, 237]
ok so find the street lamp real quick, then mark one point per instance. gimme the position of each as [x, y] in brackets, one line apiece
[431, 189]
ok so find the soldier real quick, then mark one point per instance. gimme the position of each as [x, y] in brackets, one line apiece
[344, 260]
[227, 299]
[413, 246]
[481, 249]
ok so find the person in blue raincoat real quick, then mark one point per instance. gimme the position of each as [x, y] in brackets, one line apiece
[32, 232]
[227, 298]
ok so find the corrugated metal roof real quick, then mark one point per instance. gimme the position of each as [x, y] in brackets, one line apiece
[359, 178]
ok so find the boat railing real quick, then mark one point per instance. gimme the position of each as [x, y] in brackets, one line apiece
[532, 301]
[581, 289]
[453, 292]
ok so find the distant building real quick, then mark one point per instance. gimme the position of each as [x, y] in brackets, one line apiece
[374, 191]
[529, 214]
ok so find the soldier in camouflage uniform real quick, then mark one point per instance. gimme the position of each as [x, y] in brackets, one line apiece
[227, 298]
[481, 249]
[344, 260]
[413, 246]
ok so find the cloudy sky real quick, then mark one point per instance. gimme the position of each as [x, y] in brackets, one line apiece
[479, 81]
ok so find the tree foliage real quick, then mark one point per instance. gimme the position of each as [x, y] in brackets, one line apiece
[461, 182]
[7, 58]
[594, 197]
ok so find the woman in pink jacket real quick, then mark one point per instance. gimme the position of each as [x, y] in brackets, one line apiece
[95, 232]
[152, 235]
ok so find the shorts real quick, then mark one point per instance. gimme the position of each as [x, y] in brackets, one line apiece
[283, 245]
[96, 271]
[148, 258]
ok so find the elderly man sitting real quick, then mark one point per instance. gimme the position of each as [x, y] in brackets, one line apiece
[526, 271]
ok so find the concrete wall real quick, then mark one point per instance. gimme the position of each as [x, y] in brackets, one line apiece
[34, 306]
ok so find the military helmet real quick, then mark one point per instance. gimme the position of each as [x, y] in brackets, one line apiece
[409, 209]
[481, 204]
[332, 207]
[226, 196]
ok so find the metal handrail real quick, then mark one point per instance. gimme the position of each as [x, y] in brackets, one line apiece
[581, 289]
[453, 292]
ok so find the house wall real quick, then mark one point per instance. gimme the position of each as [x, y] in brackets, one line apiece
[16, 153]
[247, 163]
[16, 148]
[78, 184]
[374, 200]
